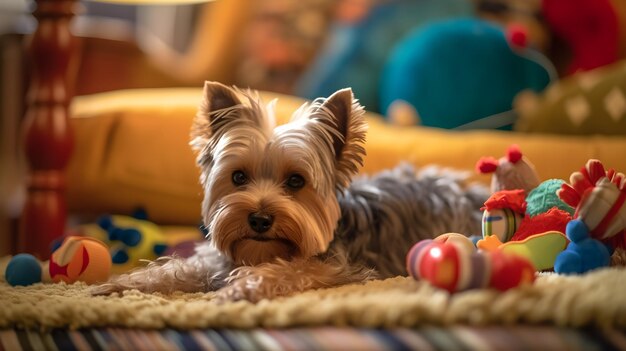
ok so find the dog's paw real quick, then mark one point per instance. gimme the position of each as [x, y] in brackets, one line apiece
[106, 289]
[239, 290]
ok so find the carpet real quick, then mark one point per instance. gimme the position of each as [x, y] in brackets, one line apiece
[597, 299]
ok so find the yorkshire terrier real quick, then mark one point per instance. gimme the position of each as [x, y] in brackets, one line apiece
[282, 212]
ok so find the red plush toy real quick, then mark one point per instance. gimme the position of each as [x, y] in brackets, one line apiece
[589, 27]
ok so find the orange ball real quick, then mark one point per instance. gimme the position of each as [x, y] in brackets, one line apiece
[80, 259]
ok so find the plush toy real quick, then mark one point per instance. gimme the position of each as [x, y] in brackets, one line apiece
[454, 265]
[599, 197]
[512, 172]
[507, 226]
[445, 69]
[590, 28]
[80, 259]
[583, 252]
[553, 219]
[524, 217]
[544, 197]
[23, 269]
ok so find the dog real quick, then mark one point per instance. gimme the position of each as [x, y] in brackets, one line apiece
[283, 212]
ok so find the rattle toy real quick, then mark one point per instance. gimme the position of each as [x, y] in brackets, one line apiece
[452, 265]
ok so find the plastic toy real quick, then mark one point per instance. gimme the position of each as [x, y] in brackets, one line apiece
[454, 266]
[583, 252]
[540, 249]
[80, 259]
[503, 214]
[23, 269]
[129, 239]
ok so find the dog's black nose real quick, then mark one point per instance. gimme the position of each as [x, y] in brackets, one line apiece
[260, 222]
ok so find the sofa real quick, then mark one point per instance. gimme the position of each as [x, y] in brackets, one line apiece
[132, 151]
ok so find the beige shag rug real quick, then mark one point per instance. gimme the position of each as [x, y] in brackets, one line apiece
[597, 298]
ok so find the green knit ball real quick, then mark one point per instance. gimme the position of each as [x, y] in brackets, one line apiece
[544, 197]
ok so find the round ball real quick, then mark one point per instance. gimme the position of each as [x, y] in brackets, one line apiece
[544, 197]
[413, 258]
[23, 269]
[81, 259]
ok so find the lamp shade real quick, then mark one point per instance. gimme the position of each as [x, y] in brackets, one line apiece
[152, 2]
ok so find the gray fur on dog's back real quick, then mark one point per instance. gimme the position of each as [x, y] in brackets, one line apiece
[384, 215]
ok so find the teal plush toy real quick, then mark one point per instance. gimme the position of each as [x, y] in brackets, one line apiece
[461, 73]
[544, 197]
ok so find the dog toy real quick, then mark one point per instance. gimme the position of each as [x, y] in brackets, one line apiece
[599, 197]
[506, 226]
[23, 269]
[503, 213]
[511, 172]
[544, 197]
[130, 239]
[583, 252]
[552, 220]
[455, 266]
[525, 216]
[80, 259]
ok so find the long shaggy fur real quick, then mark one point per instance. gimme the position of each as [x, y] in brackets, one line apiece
[323, 229]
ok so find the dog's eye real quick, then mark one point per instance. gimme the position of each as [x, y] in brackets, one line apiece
[239, 178]
[295, 182]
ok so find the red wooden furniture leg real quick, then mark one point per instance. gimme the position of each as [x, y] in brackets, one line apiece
[46, 131]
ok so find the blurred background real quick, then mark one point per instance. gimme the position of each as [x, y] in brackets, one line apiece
[310, 48]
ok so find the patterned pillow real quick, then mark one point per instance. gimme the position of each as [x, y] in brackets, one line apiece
[592, 102]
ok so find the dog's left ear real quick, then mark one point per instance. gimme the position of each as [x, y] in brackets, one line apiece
[344, 115]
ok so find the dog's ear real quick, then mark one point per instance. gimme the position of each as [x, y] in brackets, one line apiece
[217, 101]
[344, 117]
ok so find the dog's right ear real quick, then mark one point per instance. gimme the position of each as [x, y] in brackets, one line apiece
[218, 102]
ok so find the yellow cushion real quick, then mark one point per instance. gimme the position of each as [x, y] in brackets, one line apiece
[132, 150]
